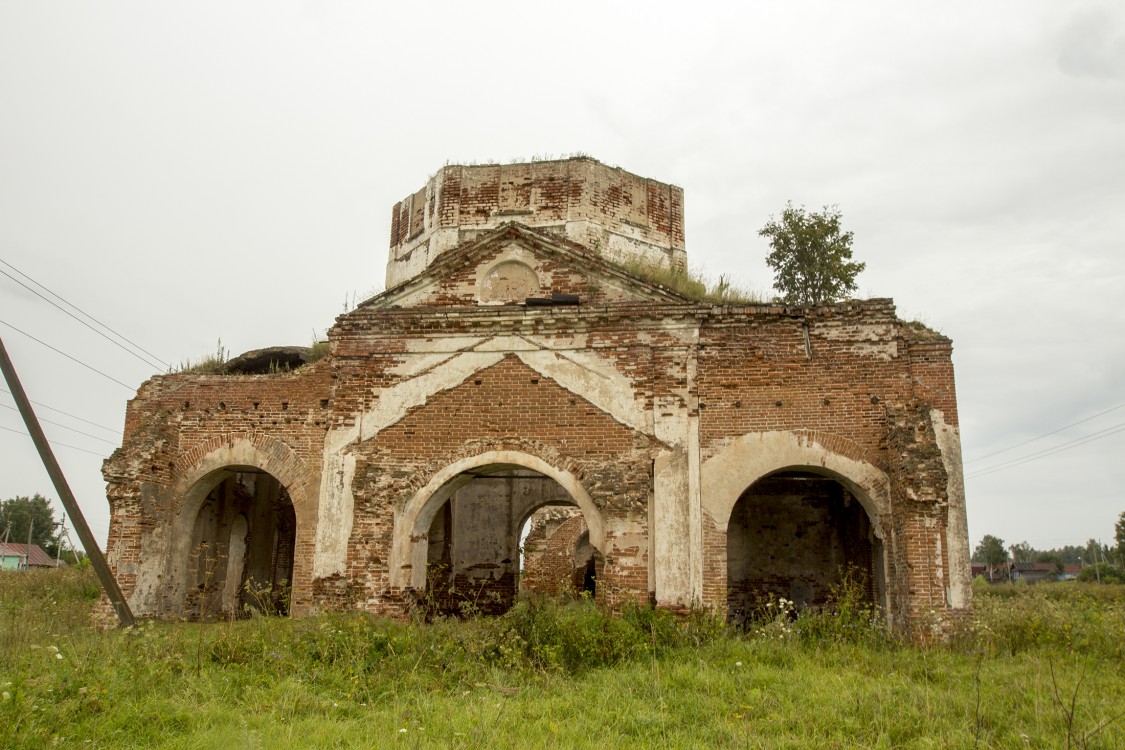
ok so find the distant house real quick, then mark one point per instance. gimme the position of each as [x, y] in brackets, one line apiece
[1070, 572]
[1033, 572]
[18, 557]
[1021, 571]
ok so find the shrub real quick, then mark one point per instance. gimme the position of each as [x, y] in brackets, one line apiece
[1102, 573]
[577, 635]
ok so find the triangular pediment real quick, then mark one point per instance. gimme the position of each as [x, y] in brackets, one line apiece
[516, 265]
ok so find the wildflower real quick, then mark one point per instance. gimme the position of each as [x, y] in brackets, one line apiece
[402, 731]
[738, 664]
[6, 696]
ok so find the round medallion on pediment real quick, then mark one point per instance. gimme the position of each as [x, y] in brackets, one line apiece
[510, 281]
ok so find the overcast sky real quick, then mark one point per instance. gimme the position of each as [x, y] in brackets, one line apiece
[187, 172]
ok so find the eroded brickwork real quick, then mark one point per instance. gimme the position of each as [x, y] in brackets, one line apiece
[558, 556]
[619, 215]
[652, 414]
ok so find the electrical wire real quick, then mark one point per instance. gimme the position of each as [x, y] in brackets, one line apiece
[73, 359]
[59, 424]
[155, 358]
[60, 411]
[1075, 443]
[52, 442]
[118, 344]
[1045, 434]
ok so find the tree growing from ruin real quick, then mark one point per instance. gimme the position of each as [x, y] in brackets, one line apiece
[812, 256]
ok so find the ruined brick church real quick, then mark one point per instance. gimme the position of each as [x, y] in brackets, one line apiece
[518, 411]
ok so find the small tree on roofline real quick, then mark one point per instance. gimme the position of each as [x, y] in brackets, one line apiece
[811, 257]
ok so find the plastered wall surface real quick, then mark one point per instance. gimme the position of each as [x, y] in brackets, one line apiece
[650, 414]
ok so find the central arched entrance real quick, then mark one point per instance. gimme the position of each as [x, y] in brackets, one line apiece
[458, 543]
[474, 550]
[796, 534]
[240, 555]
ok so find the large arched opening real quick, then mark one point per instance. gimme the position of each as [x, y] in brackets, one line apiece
[459, 545]
[239, 555]
[798, 534]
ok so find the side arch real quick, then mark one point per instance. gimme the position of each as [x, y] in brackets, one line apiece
[412, 523]
[258, 451]
[748, 458]
[201, 469]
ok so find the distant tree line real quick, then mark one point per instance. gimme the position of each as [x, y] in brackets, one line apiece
[1100, 561]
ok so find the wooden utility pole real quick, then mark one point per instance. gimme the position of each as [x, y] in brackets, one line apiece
[97, 559]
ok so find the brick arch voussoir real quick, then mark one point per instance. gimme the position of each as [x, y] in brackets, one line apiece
[544, 452]
[843, 446]
[279, 460]
[407, 567]
[727, 474]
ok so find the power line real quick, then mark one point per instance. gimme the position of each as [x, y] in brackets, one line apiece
[60, 411]
[118, 344]
[59, 424]
[88, 315]
[73, 359]
[1045, 434]
[1075, 443]
[61, 445]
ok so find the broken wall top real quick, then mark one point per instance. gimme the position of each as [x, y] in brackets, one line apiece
[620, 215]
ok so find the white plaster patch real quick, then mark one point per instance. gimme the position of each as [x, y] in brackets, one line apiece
[873, 340]
[507, 344]
[884, 351]
[957, 530]
[337, 507]
[575, 341]
[442, 344]
[415, 364]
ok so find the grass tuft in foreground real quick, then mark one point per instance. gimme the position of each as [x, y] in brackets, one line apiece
[1038, 668]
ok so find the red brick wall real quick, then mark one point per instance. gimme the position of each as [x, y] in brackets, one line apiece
[542, 193]
[549, 549]
[862, 384]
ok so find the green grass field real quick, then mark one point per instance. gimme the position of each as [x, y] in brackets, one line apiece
[1037, 667]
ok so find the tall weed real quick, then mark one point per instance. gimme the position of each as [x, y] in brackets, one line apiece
[1064, 617]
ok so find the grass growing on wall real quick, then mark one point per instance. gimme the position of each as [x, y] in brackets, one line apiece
[210, 364]
[692, 284]
[560, 674]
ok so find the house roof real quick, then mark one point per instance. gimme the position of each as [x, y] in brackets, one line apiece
[37, 559]
[1035, 567]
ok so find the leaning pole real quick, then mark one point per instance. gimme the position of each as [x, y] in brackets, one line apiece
[93, 551]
